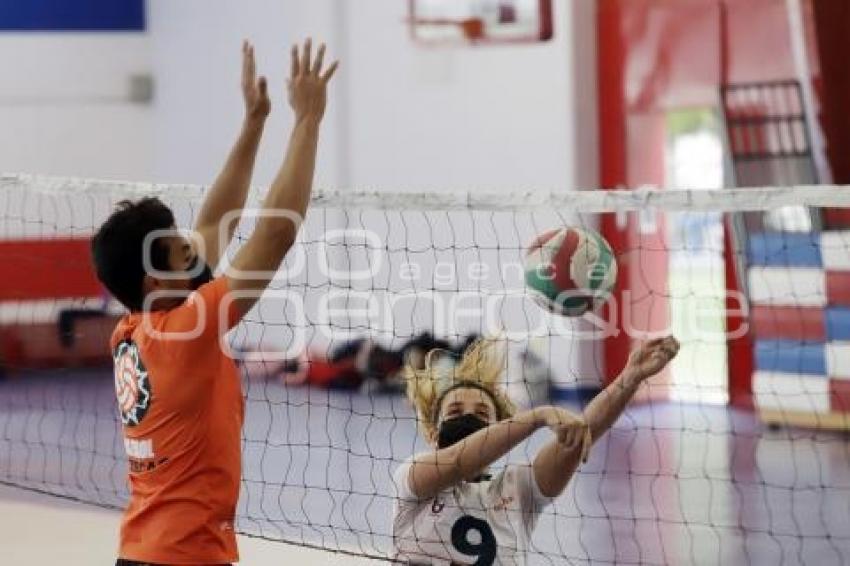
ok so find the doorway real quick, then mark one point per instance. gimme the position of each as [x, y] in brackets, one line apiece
[694, 161]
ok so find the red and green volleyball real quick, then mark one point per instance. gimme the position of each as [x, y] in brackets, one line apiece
[570, 270]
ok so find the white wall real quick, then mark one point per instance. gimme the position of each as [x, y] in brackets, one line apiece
[490, 117]
[402, 116]
[196, 59]
[64, 105]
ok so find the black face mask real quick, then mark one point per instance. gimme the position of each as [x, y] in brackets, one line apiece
[202, 278]
[457, 428]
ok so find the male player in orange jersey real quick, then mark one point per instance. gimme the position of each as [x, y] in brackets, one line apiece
[179, 394]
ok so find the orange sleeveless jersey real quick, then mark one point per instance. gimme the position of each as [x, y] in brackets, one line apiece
[180, 401]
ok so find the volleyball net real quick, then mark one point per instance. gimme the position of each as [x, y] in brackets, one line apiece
[760, 277]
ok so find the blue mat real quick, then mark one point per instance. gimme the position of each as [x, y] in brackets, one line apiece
[785, 249]
[837, 321]
[790, 356]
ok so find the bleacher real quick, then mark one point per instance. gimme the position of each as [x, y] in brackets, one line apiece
[53, 311]
[799, 287]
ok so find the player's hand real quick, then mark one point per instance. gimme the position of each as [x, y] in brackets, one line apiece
[308, 81]
[255, 91]
[651, 357]
[570, 429]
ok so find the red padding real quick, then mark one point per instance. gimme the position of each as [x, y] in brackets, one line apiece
[739, 351]
[836, 218]
[838, 288]
[788, 323]
[46, 269]
[38, 346]
[839, 395]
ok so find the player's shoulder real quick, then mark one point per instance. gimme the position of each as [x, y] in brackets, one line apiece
[517, 471]
[518, 474]
[520, 480]
[402, 470]
[513, 477]
[214, 289]
[401, 480]
[124, 329]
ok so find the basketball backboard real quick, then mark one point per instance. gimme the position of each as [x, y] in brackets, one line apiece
[480, 21]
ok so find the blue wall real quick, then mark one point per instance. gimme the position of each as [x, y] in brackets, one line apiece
[72, 15]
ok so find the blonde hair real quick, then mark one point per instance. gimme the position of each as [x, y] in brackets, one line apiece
[480, 367]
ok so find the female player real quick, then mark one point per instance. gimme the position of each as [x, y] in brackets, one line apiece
[449, 510]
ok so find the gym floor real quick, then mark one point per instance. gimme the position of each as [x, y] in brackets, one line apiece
[671, 484]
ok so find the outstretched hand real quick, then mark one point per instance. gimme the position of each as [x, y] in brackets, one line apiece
[309, 80]
[254, 90]
[651, 357]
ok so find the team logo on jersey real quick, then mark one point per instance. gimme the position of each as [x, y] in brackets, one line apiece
[132, 386]
[437, 506]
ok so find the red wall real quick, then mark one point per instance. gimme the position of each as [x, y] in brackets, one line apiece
[659, 55]
[832, 20]
[677, 52]
[46, 269]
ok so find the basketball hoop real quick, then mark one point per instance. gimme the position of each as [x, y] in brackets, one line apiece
[473, 29]
[480, 21]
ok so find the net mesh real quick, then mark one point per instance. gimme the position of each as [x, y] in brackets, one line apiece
[681, 478]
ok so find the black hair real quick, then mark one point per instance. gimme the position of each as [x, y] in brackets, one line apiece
[117, 248]
[425, 342]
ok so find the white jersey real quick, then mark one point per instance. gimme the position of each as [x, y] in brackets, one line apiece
[485, 522]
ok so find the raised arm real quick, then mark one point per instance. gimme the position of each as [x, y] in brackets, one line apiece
[432, 472]
[556, 462]
[256, 263]
[646, 361]
[230, 189]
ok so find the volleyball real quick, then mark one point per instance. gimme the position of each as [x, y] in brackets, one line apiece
[570, 271]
